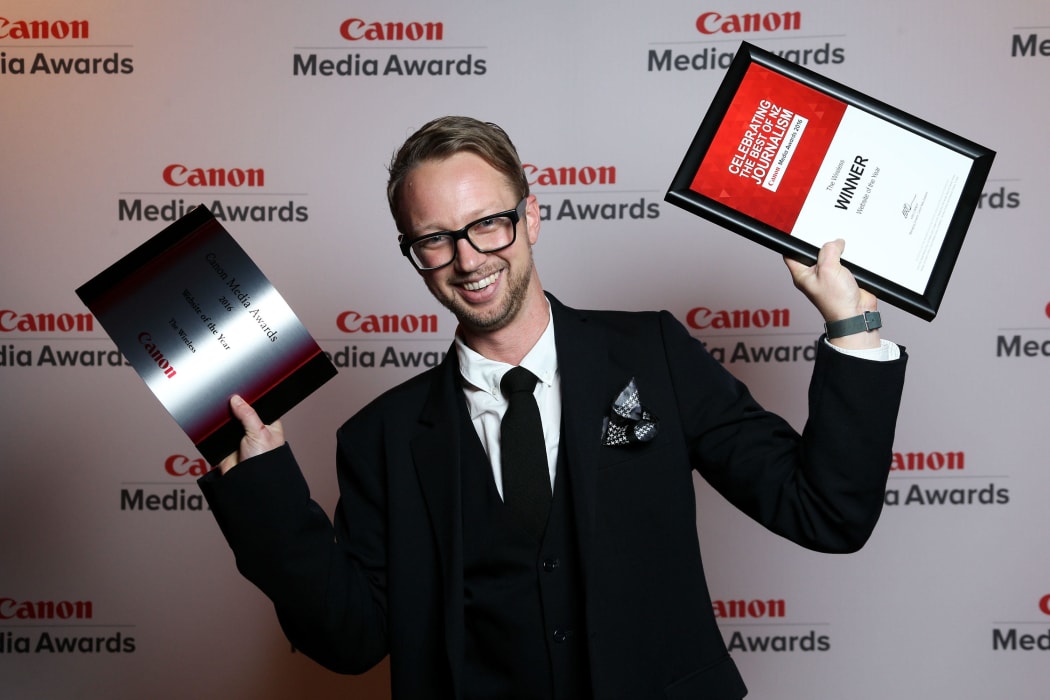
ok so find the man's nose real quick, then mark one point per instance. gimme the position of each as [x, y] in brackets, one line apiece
[467, 258]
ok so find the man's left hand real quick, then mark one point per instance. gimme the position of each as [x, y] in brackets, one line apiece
[834, 291]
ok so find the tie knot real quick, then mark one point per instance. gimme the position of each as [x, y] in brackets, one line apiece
[517, 379]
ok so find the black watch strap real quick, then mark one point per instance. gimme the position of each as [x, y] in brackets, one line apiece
[867, 321]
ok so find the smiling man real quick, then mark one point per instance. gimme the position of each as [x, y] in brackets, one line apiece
[565, 564]
[487, 291]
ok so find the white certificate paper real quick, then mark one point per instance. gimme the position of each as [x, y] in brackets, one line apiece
[889, 193]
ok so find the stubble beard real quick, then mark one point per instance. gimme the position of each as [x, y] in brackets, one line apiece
[514, 297]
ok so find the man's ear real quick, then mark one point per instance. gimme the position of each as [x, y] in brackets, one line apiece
[532, 218]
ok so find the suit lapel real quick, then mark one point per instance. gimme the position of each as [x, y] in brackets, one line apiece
[436, 453]
[590, 378]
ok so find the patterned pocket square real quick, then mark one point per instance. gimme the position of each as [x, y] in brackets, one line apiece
[629, 422]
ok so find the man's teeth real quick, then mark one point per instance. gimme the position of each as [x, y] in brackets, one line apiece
[481, 284]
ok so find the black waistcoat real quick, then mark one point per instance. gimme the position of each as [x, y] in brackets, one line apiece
[523, 604]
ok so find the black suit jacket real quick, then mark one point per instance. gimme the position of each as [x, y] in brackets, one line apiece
[389, 577]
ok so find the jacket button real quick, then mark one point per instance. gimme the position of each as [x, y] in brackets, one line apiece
[551, 564]
[560, 636]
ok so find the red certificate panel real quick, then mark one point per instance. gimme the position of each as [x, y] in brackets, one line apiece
[766, 152]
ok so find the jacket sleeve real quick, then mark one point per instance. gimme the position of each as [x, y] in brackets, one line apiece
[285, 544]
[823, 488]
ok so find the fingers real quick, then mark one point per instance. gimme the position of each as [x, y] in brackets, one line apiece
[243, 412]
[829, 256]
[829, 286]
[258, 437]
[794, 266]
[831, 252]
[229, 463]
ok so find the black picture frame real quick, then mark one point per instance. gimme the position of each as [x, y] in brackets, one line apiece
[925, 304]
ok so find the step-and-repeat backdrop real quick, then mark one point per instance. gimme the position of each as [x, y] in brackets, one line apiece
[117, 117]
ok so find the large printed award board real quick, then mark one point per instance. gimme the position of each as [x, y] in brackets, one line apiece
[200, 322]
[791, 160]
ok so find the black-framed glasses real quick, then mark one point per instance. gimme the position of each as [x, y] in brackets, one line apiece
[486, 235]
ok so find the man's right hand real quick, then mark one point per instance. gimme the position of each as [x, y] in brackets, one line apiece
[258, 438]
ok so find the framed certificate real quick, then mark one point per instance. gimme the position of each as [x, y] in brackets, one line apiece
[791, 160]
[199, 321]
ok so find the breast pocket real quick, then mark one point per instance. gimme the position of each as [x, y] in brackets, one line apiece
[638, 454]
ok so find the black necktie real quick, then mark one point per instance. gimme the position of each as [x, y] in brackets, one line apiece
[526, 477]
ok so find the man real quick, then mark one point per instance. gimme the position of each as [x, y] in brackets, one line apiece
[432, 560]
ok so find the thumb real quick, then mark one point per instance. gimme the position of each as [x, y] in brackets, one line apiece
[258, 437]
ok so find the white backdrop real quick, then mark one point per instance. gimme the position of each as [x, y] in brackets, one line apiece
[107, 592]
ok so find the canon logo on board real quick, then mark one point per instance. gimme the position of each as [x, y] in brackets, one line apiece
[586, 175]
[405, 38]
[928, 461]
[181, 465]
[44, 29]
[146, 340]
[179, 175]
[16, 322]
[357, 29]
[11, 609]
[749, 348]
[928, 489]
[704, 318]
[46, 62]
[716, 23]
[357, 322]
[753, 615]
[169, 500]
[716, 55]
[756, 609]
[1023, 344]
[1013, 639]
[1029, 46]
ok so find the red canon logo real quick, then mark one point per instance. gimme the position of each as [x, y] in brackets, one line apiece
[928, 461]
[571, 175]
[178, 175]
[715, 23]
[12, 321]
[356, 29]
[11, 609]
[702, 318]
[181, 465]
[356, 322]
[43, 29]
[749, 608]
[146, 340]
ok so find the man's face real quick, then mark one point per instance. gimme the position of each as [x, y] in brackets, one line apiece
[485, 291]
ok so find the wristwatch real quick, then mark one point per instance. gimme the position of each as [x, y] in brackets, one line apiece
[867, 321]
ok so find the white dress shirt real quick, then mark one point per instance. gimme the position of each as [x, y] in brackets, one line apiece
[487, 404]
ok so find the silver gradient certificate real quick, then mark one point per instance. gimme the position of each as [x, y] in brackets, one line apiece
[199, 322]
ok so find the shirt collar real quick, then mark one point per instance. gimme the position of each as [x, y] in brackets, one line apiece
[485, 374]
